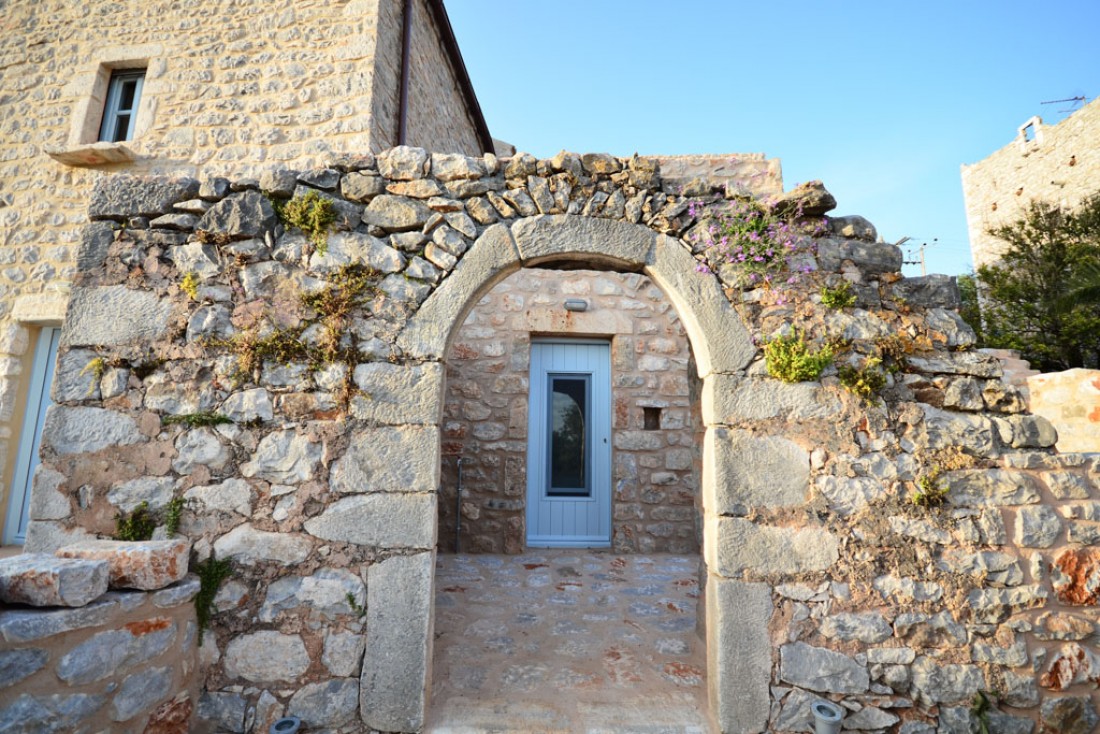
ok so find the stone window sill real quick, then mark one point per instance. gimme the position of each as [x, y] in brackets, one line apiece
[92, 154]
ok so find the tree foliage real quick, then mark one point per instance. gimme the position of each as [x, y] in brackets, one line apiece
[1038, 298]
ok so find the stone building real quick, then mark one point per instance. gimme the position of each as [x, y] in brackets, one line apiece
[891, 532]
[1058, 163]
[187, 89]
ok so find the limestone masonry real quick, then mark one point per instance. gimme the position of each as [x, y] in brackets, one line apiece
[239, 86]
[1059, 164]
[904, 550]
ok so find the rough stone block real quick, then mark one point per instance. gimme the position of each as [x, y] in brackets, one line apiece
[284, 457]
[245, 544]
[871, 257]
[47, 501]
[325, 594]
[718, 337]
[936, 683]
[241, 216]
[385, 520]
[343, 653]
[46, 536]
[43, 581]
[1069, 715]
[942, 429]
[106, 653]
[123, 196]
[739, 653]
[389, 459]
[144, 564]
[396, 213]
[734, 545]
[29, 625]
[17, 665]
[140, 692]
[821, 670]
[403, 163]
[397, 665]
[326, 704]
[743, 471]
[266, 656]
[84, 430]
[180, 593]
[867, 627]
[225, 711]
[990, 488]
[1037, 527]
[492, 257]
[52, 714]
[156, 492]
[114, 315]
[95, 241]
[395, 394]
[729, 399]
[928, 291]
[848, 495]
[232, 495]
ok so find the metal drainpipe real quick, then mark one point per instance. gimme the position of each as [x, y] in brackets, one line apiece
[403, 84]
[458, 506]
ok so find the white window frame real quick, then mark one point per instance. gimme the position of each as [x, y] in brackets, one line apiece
[112, 108]
[26, 461]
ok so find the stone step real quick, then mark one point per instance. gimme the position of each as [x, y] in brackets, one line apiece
[42, 580]
[143, 564]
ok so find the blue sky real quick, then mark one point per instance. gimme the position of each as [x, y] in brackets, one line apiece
[882, 101]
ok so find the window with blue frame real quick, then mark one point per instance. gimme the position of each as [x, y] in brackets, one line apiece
[120, 110]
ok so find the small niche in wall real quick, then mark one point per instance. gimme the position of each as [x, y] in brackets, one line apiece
[651, 419]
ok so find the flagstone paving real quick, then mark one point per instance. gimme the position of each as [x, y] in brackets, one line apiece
[568, 641]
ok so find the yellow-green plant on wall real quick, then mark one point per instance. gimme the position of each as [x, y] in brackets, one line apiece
[865, 380]
[190, 285]
[931, 489]
[313, 214]
[791, 359]
[840, 297]
[136, 525]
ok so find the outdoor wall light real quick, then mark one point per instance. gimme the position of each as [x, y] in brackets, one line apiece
[576, 304]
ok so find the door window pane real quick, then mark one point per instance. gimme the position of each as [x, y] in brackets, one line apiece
[568, 448]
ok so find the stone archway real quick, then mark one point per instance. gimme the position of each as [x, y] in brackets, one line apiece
[737, 613]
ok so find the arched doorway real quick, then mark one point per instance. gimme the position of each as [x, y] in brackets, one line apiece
[738, 649]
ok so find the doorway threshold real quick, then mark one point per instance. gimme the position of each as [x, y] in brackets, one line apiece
[568, 640]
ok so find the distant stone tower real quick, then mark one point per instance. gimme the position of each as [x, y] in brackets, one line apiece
[1058, 164]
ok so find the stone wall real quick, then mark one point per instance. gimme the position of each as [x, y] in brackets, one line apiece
[1070, 400]
[438, 114]
[897, 551]
[76, 657]
[655, 477]
[244, 86]
[1059, 165]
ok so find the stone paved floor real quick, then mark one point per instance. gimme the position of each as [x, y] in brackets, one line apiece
[568, 641]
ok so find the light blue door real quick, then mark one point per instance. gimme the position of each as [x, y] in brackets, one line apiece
[38, 400]
[568, 445]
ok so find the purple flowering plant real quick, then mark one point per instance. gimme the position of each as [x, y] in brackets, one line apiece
[765, 250]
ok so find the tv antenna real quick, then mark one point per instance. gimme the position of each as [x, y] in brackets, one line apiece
[1073, 108]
